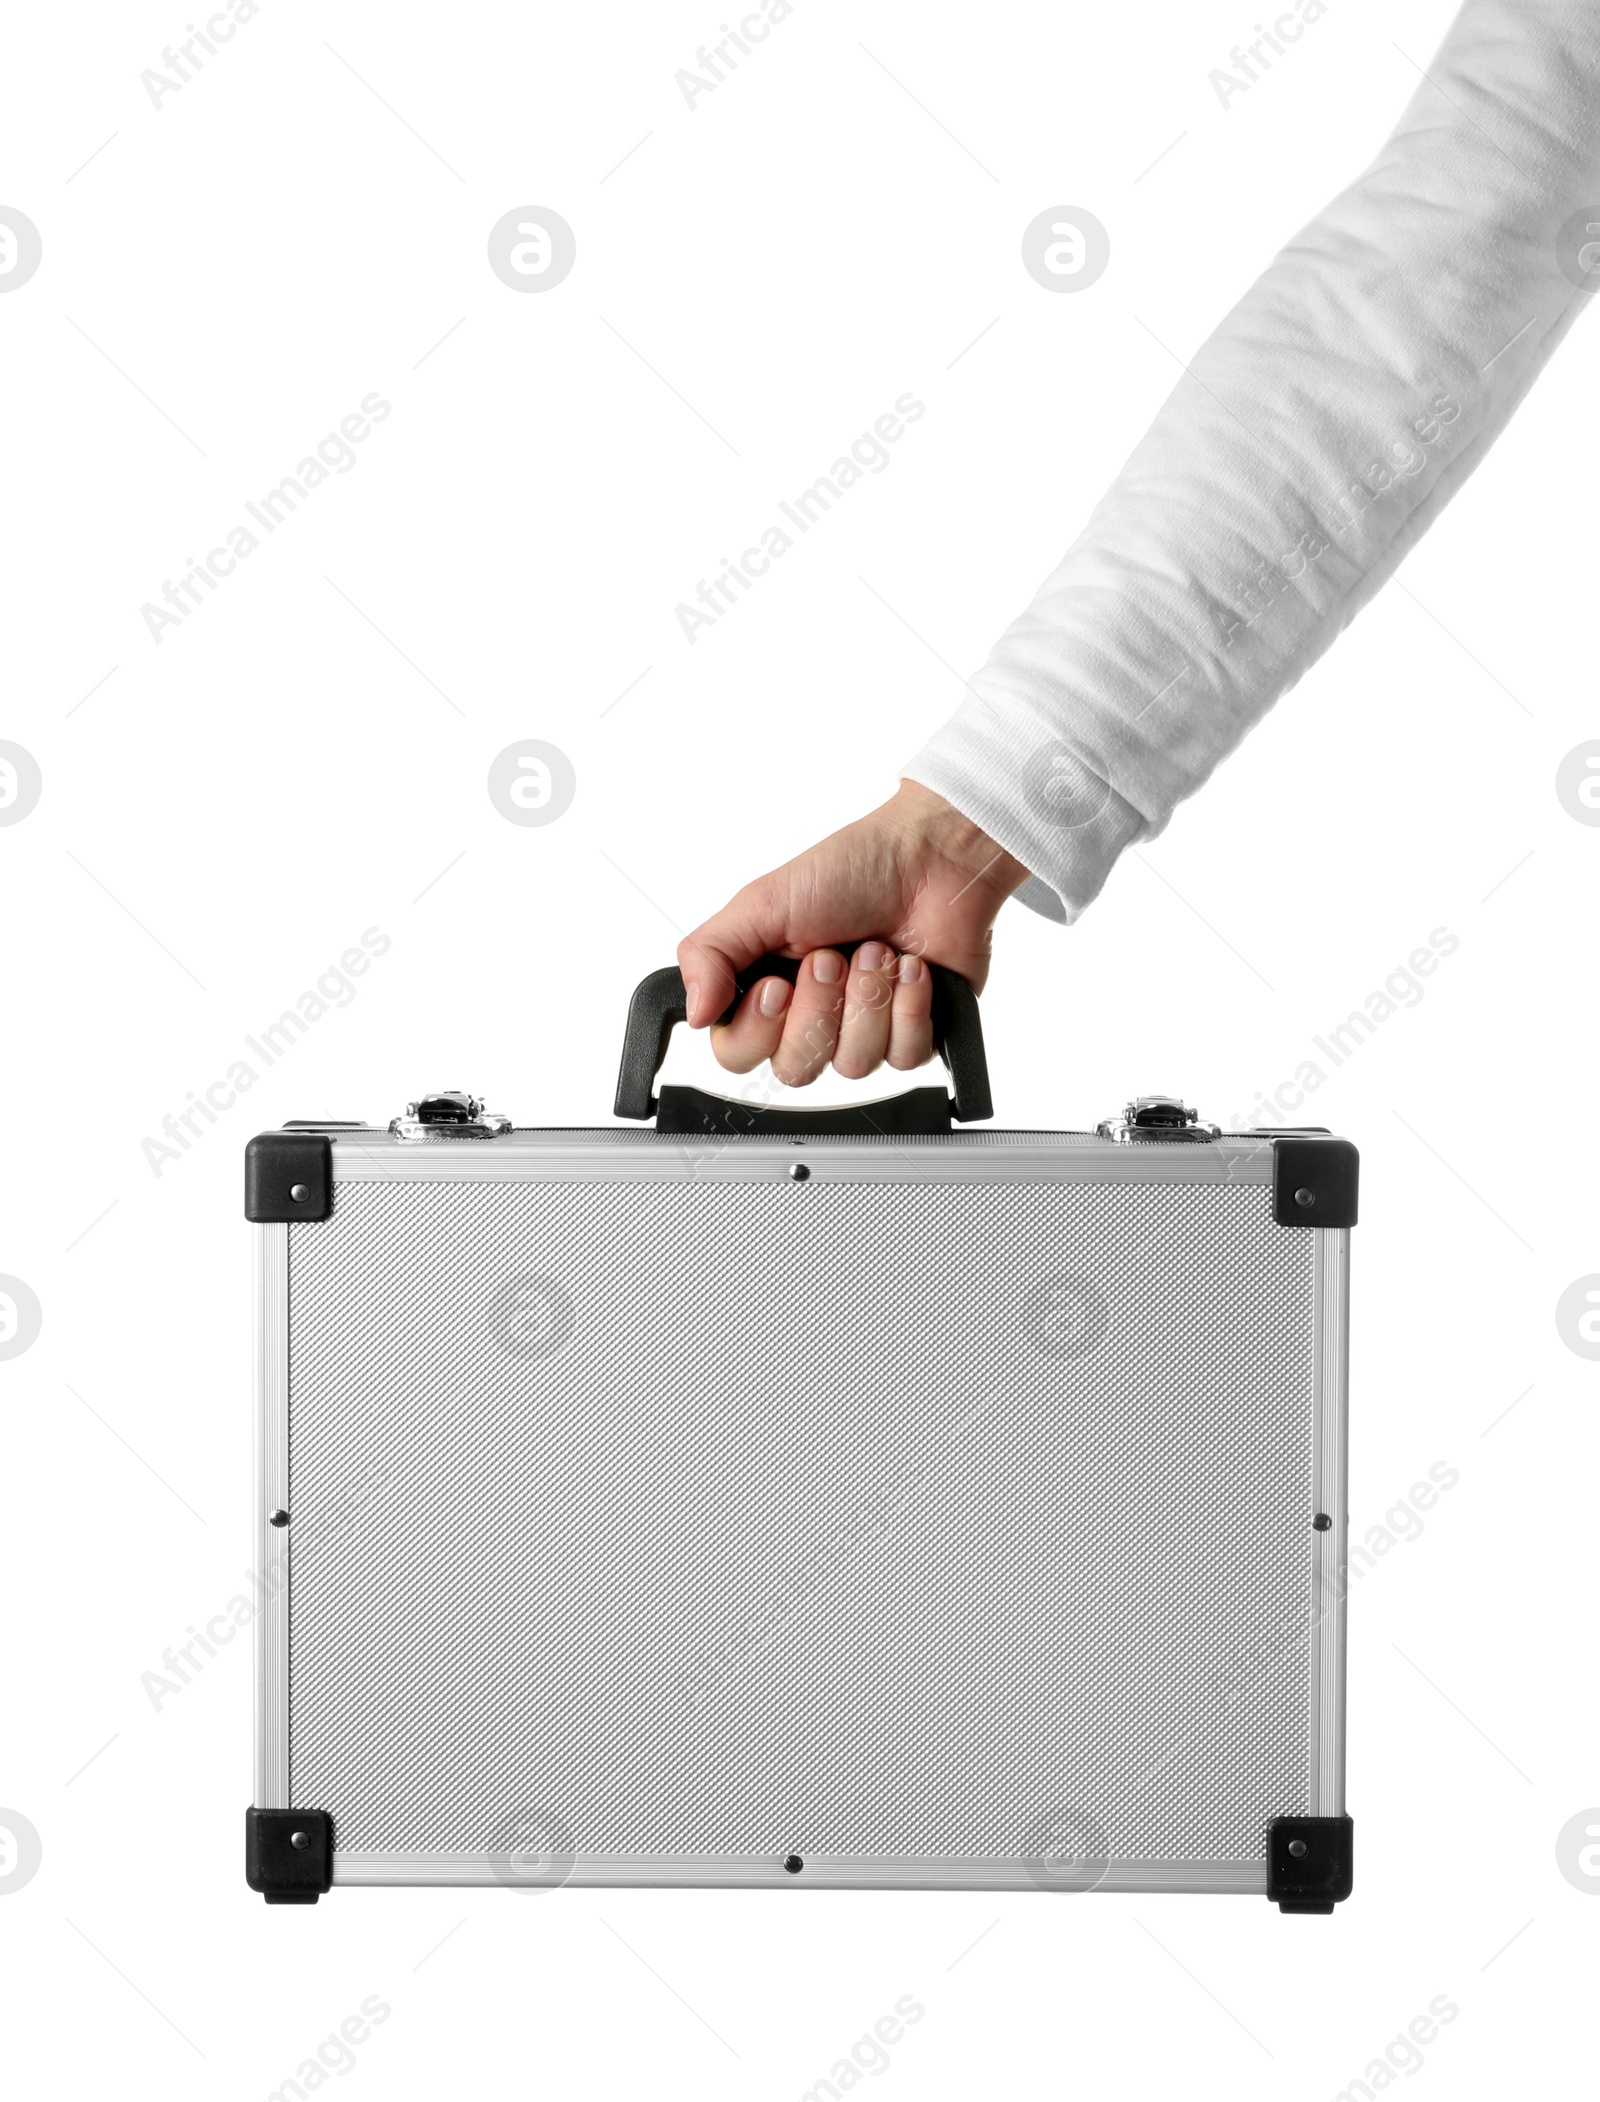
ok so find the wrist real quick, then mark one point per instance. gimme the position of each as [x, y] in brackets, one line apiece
[948, 832]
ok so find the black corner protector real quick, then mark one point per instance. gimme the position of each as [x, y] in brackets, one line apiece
[1314, 1181]
[288, 1854]
[1310, 1863]
[288, 1176]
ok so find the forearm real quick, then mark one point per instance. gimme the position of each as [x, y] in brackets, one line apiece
[1317, 434]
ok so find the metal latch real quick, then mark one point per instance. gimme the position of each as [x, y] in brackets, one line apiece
[451, 1113]
[1160, 1120]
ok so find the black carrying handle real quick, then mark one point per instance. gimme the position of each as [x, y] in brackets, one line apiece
[659, 1003]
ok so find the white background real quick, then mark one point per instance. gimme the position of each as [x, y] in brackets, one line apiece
[228, 810]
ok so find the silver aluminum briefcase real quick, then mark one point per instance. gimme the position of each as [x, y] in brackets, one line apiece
[771, 1498]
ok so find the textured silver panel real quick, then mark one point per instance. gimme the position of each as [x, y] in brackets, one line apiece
[882, 1521]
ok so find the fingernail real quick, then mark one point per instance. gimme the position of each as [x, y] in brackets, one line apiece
[827, 966]
[691, 993]
[774, 996]
[870, 956]
[909, 967]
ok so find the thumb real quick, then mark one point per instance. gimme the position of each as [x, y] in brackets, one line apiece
[751, 924]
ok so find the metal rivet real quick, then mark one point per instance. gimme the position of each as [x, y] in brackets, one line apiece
[301, 1840]
[793, 1864]
[798, 1171]
[279, 1517]
[1305, 1199]
[1322, 1522]
[299, 1192]
[1297, 1847]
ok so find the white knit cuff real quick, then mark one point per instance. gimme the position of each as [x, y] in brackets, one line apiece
[1046, 804]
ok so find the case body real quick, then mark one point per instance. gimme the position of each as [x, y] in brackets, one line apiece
[962, 1510]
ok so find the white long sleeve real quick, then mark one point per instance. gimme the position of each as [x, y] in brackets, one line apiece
[1321, 429]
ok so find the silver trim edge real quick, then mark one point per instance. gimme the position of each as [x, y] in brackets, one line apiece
[272, 1545]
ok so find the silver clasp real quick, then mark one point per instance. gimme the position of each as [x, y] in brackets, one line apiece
[1158, 1120]
[449, 1114]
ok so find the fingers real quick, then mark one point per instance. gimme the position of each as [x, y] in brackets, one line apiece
[756, 1029]
[811, 1028]
[868, 999]
[877, 1007]
[911, 1017]
[751, 924]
